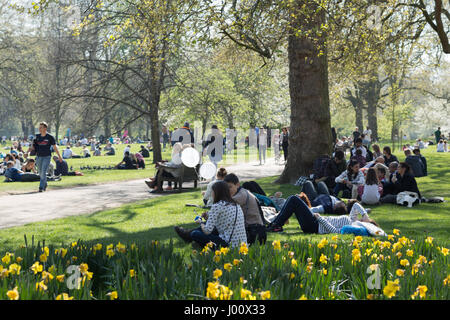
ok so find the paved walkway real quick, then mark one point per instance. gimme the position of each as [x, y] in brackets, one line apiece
[21, 209]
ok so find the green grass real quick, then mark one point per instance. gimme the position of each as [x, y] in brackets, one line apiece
[154, 219]
[105, 176]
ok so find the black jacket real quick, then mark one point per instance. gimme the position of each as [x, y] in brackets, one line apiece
[407, 183]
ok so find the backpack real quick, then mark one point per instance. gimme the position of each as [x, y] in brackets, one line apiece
[320, 166]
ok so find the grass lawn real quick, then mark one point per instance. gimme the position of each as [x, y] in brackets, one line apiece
[105, 176]
[154, 219]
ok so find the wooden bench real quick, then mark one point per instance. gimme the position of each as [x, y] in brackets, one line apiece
[180, 175]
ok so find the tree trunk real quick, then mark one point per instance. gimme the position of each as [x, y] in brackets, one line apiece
[310, 130]
[154, 121]
[107, 126]
[373, 93]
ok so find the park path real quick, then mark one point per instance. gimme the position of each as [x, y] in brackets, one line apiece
[31, 207]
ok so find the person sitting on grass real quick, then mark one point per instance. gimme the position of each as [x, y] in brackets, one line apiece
[349, 180]
[126, 163]
[423, 159]
[207, 195]
[225, 223]
[401, 181]
[144, 152]
[86, 152]
[62, 169]
[254, 225]
[440, 146]
[388, 156]
[313, 222]
[416, 164]
[371, 191]
[98, 152]
[140, 160]
[110, 150]
[358, 157]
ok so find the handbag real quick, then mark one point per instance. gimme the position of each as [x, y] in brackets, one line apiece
[234, 225]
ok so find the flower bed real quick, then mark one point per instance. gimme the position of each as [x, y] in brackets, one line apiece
[392, 268]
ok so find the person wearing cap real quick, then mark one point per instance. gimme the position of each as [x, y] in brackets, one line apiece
[186, 127]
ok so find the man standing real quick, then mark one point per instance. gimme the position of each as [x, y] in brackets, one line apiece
[368, 135]
[42, 145]
[437, 135]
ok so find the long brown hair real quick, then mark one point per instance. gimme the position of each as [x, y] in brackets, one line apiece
[221, 173]
[371, 177]
[222, 192]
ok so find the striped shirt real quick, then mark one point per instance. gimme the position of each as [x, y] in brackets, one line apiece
[335, 224]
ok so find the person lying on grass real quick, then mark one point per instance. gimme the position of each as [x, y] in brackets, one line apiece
[16, 175]
[225, 223]
[313, 222]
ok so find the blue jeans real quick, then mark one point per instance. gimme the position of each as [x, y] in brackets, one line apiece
[305, 218]
[202, 239]
[310, 191]
[42, 164]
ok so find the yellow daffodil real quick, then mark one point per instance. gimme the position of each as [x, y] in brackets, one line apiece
[60, 278]
[356, 256]
[216, 259]
[83, 268]
[336, 257]
[429, 240]
[98, 247]
[245, 293]
[447, 280]
[444, 251]
[224, 250]
[225, 293]
[276, 245]
[13, 294]
[74, 244]
[404, 262]
[324, 271]
[322, 243]
[368, 252]
[396, 232]
[391, 288]
[334, 238]
[265, 295]
[19, 259]
[110, 253]
[303, 297]
[36, 267]
[390, 237]
[121, 247]
[409, 253]
[132, 273]
[421, 260]
[291, 254]
[370, 296]
[291, 276]
[7, 258]
[323, 259]
[64, 296]
[399, 254]
[14, 269]
[113, 295]
[228, 266]
[373, 267]
[41, 286]
[243, 249]
[212, 291]
[236, 261]
[400, 272]
[217, 273]
[294, 263]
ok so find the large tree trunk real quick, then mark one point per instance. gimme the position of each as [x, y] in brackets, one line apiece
[154, 121]
[373, 94]
[310, 130]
